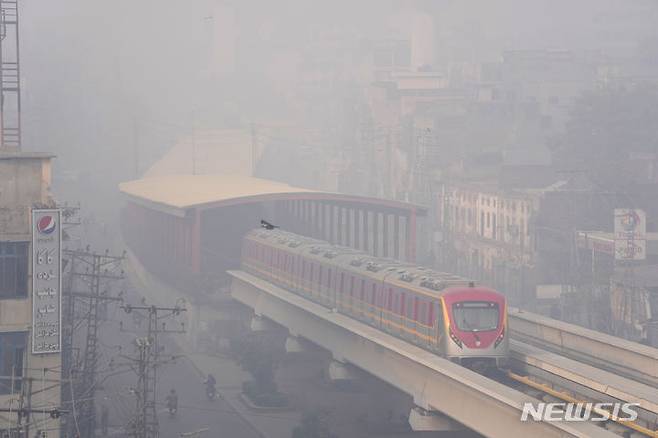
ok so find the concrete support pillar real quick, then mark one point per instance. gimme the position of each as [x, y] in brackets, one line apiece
[396, 236]
[294, 344]
[350, 228]
[260, 324]
[339, 225]
[411, 236]
[386, 238]
[357, 229]
[340, 371]
[330, 223]
[365, 230]
[317, 213]
[375, 233]
[308, 225]
[421, 420]
[317, 219]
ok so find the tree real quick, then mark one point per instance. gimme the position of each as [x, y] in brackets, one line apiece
[259, 357]
[313, 425]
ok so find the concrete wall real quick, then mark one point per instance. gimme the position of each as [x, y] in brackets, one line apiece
[23, 183]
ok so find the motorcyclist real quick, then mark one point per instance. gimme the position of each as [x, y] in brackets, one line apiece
[210, 383]
[172, 402]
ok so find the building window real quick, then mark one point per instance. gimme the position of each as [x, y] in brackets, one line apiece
[12, 350]
[13, 269]
[493, 220]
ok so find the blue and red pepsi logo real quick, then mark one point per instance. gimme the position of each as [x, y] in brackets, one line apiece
[46, 225]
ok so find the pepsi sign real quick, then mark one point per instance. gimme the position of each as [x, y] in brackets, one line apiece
[46, 281]
[47, 224]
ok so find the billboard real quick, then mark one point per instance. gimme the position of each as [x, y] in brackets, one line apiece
[630, 234]
[46, 281]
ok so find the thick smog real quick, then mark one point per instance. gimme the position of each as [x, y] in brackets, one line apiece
[328, 219]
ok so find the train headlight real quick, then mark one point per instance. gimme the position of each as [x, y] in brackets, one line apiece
[454, 338]
[500, 337]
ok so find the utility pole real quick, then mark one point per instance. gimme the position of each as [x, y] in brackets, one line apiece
[99, 270]
[145, 424]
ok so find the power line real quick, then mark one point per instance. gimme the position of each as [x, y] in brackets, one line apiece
[99, 269]
[147, 361]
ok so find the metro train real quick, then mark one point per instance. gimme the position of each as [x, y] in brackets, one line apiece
[440, 312]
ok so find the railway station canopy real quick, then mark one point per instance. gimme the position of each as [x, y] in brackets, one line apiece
[182, 225]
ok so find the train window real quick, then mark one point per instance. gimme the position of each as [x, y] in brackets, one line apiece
[422, 313]
[363, 289]
[430, 316]
[410, 308]
[390, 298]
[475, 316]
[403, 303]
[374, 295]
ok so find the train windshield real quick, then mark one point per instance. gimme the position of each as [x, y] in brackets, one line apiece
[475, 316]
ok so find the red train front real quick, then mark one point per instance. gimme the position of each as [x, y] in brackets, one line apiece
[476, 323]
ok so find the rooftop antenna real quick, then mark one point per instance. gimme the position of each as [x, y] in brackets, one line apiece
[10, 107]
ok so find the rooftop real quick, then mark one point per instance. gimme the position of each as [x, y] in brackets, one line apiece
[18, 155]
[177, 193]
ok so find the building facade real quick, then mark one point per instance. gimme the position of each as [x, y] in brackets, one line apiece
[485, 233]
[28, 381]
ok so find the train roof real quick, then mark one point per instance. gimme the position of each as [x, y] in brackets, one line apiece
[402, 273]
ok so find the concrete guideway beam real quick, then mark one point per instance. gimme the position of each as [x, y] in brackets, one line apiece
[294, 345]
[260, 324]
[625, 358]
[475, 401]
[340, 371]
[598, 381]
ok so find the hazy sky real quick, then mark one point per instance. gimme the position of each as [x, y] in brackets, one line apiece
[100, 77]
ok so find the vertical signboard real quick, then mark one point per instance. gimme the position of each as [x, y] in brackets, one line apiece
[46, 281]
[630, 234]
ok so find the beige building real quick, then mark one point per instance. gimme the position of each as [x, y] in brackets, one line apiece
[486, 234]
[27, 380]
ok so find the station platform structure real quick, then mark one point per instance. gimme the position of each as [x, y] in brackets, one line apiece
[185, 227]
